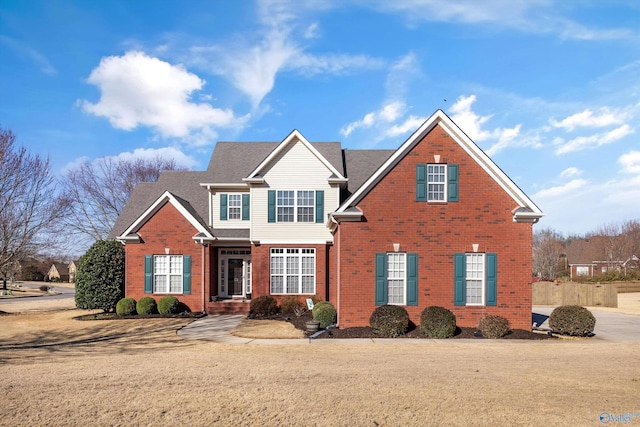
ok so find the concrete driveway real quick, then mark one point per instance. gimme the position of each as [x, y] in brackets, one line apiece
[610, 326]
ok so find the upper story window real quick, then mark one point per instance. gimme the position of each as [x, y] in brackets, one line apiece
[235, 206]
[295, 206]
[437, 182]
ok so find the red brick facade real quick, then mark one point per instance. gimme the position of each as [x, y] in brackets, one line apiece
[435, 231]
[168, 228]
[345, 269]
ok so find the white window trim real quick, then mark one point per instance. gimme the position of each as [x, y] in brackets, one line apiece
[444, 183]
[284, 274]
[404, 278]
[168, 275]
[229, 207]
[483, 280]
[296, 205]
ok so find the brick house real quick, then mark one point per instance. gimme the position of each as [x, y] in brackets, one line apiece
[434, 222]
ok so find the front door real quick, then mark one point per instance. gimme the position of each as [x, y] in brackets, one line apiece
[234, 279]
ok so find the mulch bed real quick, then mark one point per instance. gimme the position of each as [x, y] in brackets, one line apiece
[414, 332]
[114, 316]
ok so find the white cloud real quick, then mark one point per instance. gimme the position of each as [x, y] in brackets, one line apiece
[586, 142]
[252, 66]
[139, 90]
[569, 172]
[630, 162]
[531, 16]
[312, 31]
[409, 125]
[387, 114]
[469, 121]
[587, 118]
[167, 153]
[561, 190]
[472, 124]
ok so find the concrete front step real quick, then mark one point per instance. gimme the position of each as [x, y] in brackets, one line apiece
[229, 307]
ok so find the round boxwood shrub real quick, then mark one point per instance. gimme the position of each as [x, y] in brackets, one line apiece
[126, 307]
[264, 306]
[493, 326]
[389, 321]
[146, 305]
[290, 303]
[168, 304]
[572, 320]
[100, 276]
[437, 322]
[325, 313]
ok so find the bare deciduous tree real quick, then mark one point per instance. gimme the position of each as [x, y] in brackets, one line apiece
[548, 250]
[29, 204]
[99, 190]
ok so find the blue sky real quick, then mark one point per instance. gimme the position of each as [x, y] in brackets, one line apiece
[549, 89]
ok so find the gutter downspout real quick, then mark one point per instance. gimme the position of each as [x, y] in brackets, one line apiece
[338, 270]
[203, 268]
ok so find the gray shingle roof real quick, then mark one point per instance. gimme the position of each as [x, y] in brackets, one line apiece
[230, 162]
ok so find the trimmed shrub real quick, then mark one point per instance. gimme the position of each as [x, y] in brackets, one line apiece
[437, 322]
[44, 288]
[493, 326]
[264, 306]
[168, 304]
[146, 305]
[290, 303]
[100, 276]
[572, 320]
[389, 321]
[325, 313]
[126, 307]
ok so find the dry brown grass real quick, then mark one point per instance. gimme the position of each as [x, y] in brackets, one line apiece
[58, 371]
[266, 329]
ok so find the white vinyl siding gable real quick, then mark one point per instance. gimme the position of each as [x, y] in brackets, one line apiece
[295, 169]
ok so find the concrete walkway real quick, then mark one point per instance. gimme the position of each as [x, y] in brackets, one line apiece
[218, 327]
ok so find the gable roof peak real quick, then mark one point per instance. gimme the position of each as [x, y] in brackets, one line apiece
[293, 137]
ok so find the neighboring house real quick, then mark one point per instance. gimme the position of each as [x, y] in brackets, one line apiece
[434, 222]
[583, 257]
[58, 271]
[72, 267]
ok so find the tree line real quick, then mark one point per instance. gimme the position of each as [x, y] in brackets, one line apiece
[39, 212]
[610, 244]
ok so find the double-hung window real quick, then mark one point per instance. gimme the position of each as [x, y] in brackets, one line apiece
[167, 274]
[396, 276]
[295, 206]
[475, 279]
[235, 206]
[293, 271]
[436, 182]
